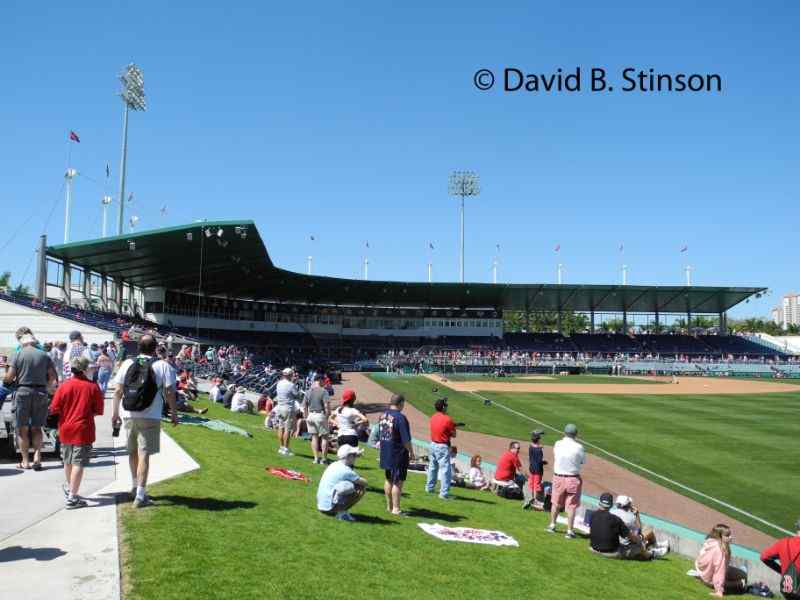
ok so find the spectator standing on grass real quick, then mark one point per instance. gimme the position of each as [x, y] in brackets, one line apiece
[606, 531]
[784, 557]
[536, 463]
[340, 487]
[286, 394]
[396, 452]
[315, 409]
[714, 566]
[76, 403]
[443, 429]
[143, 427]
[32, 371]
[348, 419]
[568, 459]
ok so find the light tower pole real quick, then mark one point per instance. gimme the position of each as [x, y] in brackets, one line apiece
[463, 184]
[132, 95]
[106, 201]
[69, 175]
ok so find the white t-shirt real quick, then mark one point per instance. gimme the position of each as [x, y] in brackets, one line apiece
[286, 393]
[569, 457]
[214, 393]
[165, 378]
[239, 402]
[346, 420]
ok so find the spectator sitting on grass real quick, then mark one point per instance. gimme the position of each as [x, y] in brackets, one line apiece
[476, 479]
[457, 477]
[509, 466]
[240, 403]
[781, 556]
[713, 563]
[607, 529]
[341, 487]
[629, 514]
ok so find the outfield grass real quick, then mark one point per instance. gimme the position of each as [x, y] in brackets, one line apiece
[737, 448]
[587, 379]
[229, 530]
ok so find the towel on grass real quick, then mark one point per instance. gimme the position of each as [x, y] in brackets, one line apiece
[287, 474]
[468, 535]
[212, 424]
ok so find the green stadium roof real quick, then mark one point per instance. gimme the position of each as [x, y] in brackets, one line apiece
[239, 266]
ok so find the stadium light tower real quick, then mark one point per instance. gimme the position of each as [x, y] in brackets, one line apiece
[132, 95]
[463, 184]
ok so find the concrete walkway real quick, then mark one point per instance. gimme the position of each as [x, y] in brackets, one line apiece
[50, 553]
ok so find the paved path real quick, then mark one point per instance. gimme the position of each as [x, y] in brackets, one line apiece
[598, 475]
[50, 553]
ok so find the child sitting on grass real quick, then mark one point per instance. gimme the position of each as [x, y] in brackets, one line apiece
[476, 479]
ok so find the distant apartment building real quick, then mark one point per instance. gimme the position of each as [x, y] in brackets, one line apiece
[788, 311]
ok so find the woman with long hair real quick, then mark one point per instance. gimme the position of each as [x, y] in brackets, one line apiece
[348, 420]
[713, 563]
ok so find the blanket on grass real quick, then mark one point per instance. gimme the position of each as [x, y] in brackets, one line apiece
[468, 535]
[212, 424]
[287, 474]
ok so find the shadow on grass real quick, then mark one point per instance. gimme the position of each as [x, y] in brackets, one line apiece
[373, 520]
[424, 513]
[210, 504]
[468, 499]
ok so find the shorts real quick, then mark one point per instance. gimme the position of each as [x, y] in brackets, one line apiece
[286, 417]
[535, 482]
[397, 475]
[143, 435]
[567, 491]
[317, 424]
[76, 455]
[350, 440]
[32, 407]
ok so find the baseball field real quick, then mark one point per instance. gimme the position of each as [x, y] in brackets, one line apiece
[735, 442]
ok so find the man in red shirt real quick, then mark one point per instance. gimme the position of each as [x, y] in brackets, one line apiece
[443, 429]
[77, 401]
[509, 466]
[787, 551]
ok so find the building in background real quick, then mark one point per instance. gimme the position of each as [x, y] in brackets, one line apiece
[788, 311]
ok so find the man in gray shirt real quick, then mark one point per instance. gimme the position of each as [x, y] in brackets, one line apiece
[315, 409]
[32, 371]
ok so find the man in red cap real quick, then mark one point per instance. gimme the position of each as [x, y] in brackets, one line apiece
[348, 419]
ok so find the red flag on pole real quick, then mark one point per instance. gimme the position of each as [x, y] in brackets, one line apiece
[74, 137]
[558, 247]
[684, 249]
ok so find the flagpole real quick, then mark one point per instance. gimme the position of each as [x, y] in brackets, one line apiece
[106, 201]
[310, 262]
[430, 262]
[68, 176]
[560, 268]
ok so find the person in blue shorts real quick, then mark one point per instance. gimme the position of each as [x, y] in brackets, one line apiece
[396, 451]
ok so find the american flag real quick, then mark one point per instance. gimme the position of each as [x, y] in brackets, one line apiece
[558, 247]
[684, 248]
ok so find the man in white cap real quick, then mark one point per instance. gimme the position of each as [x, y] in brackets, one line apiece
[286, 394]
[341, 487]
[629, 514]
[32, 371]
[568, 459]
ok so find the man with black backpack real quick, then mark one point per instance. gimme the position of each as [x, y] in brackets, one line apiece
[143, 384]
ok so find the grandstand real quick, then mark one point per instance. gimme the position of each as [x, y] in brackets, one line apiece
[215, 282]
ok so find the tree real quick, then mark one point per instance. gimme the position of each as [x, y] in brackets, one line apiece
[5, 280]
[22, 290]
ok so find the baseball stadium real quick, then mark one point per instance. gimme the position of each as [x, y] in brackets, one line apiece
[684, 419]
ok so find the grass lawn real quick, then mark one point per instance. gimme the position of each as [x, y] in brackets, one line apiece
[740, 449]
[229, 530]
[588, 379]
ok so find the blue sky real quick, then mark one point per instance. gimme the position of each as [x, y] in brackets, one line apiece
[343, 121]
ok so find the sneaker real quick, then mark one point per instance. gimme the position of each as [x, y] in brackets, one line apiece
[570, 535]
[75, 502]
[345, 516]
[447, 497]
[288, 452]
[659, 552]
[551, 529]
[281, 450]
[142, 502]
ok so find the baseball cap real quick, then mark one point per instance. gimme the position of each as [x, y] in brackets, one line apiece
[348, 395]
[440, 404]
[75, 335]
[606, 500]
[79, 363]
[287, 371]
[623, 501]
[536, 433]
[571, 429]
[346, 450]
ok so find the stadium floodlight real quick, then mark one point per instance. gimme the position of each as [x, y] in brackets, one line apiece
[463, 184]
[132, 95]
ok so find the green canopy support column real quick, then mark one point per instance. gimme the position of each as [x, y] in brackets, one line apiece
[66, 282]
